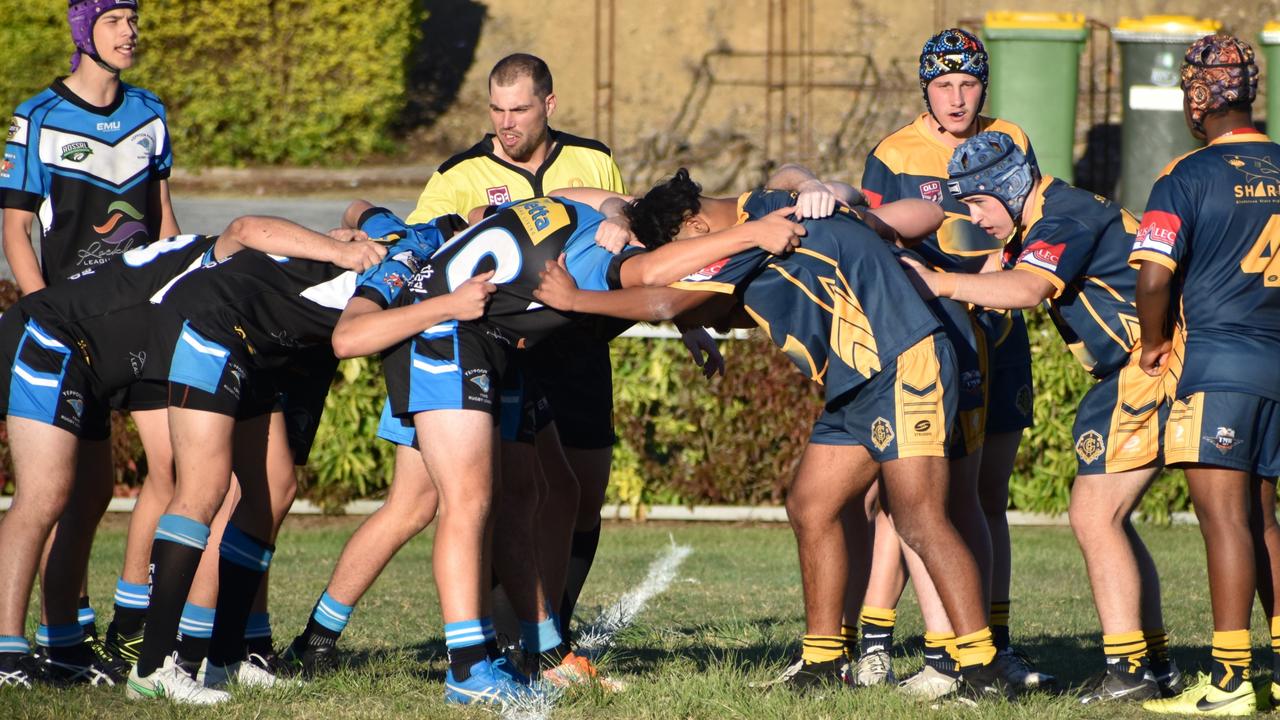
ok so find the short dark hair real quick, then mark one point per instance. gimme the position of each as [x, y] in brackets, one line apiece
[517, 65]
[655, 218]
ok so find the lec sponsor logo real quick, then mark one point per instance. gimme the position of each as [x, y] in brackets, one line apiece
[1159, 231]
[541, 218]
[1043, 255]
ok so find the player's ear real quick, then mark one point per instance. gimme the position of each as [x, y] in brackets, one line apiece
[696, 225]
[550, 103]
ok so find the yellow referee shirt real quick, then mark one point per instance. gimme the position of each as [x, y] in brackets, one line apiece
[478, 177]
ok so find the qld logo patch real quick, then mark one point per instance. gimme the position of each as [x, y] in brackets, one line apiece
[1225, 440]
[498, 195]
[881, 433]
[931, 191]
[1090, 447]
[1159, 231]
[1043, 255]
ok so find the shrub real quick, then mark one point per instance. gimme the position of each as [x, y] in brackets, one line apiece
[296, 81]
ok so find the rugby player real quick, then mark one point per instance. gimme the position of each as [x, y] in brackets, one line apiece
[1206, 254]
[1070, 248]
[995, 383]
[889, 377]
[68, 348]
[446, 378]
[97, 151]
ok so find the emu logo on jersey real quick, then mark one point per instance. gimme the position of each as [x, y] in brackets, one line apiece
[1090, 447]
[881, 433]
[76, 151]
[1225, 440]
[931, 191]
[541, 218]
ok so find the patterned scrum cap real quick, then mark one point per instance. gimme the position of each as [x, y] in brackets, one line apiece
[1218, 70]
[952, 51]
[81, 15]
[991, 163]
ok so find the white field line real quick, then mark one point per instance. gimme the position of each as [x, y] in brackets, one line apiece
[598, 636]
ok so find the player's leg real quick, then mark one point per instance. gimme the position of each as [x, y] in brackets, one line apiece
[829, 478]
[124, 634]
[195, 627]
[999, 452]
[875, 609]
[410, 506]
[557, 518]
[516, 554]
[1266, 551]
[590, 466]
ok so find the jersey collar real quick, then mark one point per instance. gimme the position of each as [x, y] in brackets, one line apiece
[60, 88]
[1240, 135]
[921, 124]
[534, 178]
[1037, 203]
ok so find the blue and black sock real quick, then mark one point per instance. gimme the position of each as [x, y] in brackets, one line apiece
[131, 602]
[242, 562]
[466, 644]
[175, 555]
[195, 627]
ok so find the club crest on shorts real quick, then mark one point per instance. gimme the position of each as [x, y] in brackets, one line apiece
[1090, 447]
[1225, 440]
[881, 433]
[1023, 400]
[481, 380]
[931, 191]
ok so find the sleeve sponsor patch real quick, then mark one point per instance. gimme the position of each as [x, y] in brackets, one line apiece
[1043, 255]
[1158, 232]
[707, 272]
[17, 131]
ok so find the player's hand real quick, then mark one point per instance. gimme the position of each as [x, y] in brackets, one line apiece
[359, 255]
[1154, 360]
[926, 281]
[614, 234]
[556, 288]
[472, 297]
[706, 355]
[347, 234]
[775, 233]
[815, 200]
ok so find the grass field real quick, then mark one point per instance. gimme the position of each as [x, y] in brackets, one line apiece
[731, 617]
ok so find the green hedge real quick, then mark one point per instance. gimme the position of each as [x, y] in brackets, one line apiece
[292, 81]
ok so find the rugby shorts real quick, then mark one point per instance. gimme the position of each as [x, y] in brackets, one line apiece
[906, 410]
[1224, 429]
[1119, 421]
[301, 387]
[576, 375]
[46, 383]
[525, 413]
[1010, 392]
[449, 366]
[141, 395]
[207, 375]
[968, 341]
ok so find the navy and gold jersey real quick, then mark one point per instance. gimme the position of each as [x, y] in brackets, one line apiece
[1214, 219]
[515, 243]
[106, 312]
[840, 306]
[88, 173]
[912, 163]
[477, 176]
[1080, 243]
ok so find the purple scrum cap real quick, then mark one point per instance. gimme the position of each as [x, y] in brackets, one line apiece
[81, 15]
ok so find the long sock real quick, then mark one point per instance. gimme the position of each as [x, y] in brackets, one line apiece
[242, 562]
[1157, 645]
[1275, 649]
[175, 554]
[257, 634]
[465, 642]
[195, 627]
[937, 652]
[87, 618]
[131, 601]
[491, 649]
[582, 554]
[975, 649]
[58, 640]
[1232, 657]
[850, 635]
[1126, 653]
[1000, 624]
[539, 637]
[877, 628]
[822, 648]
[14, 644]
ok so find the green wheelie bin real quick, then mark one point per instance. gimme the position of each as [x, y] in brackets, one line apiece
[1035, 64]
[1154, 131]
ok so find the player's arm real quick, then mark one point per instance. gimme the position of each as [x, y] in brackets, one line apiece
[19, 252]
[365, 327]
[595, 197]
[1152, 293]
[558, 290]
[168, 221]
[816, 199]
[774, 233]
[1005, 290]
[905, 220]
[278, 236]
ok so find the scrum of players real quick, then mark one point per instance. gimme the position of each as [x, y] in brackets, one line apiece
[491, 307]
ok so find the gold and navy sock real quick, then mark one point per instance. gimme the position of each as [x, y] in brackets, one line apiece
[1157, 645]
[822, 648]
[939, 652]
[850, 635]
[1275, 649]
[975, 649]
[1000, 624]
[1126, 653]
[1232, 657]
[877, 628]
